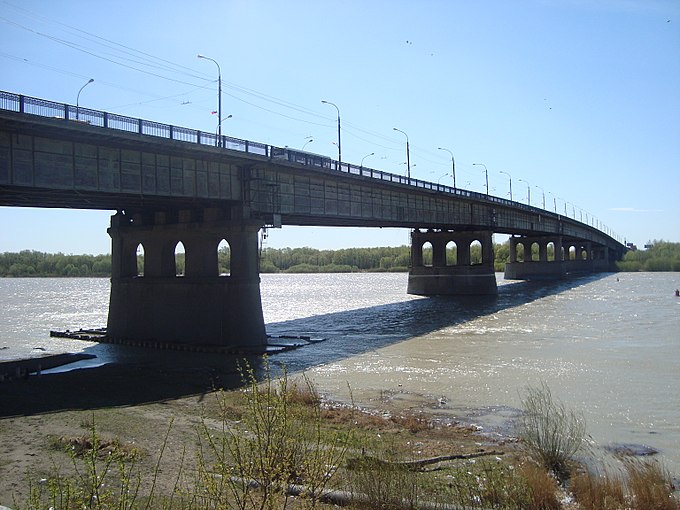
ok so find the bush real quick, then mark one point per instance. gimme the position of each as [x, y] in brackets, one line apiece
[552, 433]
[277, 442]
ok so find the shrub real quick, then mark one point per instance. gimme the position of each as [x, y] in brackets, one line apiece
[278, 441]
[552, 433]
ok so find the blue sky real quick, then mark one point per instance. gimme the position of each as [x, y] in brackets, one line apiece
[577, 100]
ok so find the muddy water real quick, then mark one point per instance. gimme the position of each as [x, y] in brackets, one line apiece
[608, 346]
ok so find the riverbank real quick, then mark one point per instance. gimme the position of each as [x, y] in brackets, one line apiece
[155, 419]
[136, 406]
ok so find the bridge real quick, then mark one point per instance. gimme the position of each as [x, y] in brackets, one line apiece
[171, 184]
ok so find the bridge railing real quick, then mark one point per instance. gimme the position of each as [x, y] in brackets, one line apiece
[43, 108]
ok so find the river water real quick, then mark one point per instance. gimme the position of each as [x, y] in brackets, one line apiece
[607, 345]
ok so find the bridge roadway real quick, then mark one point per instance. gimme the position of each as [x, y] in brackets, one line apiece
[170, 184]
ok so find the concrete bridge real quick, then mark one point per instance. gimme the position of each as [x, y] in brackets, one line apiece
[170, 184]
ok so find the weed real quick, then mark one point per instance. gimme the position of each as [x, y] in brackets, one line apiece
[552, 433]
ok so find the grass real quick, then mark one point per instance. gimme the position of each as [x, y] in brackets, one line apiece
[642, 485]
[274, 444]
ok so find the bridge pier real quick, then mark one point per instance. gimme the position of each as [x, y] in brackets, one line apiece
[452, 271]
[545, 267]
[567, 256]
[200, 308]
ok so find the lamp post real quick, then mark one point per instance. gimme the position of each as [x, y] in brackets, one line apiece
[453, 165]
[528, 191]
[219, 98]
[339, 146]
[362, 159]
[486, 173]
[408, 156]
[78, 98]
[543, 195]
[554, 200]
[307, 142]
[510, 178]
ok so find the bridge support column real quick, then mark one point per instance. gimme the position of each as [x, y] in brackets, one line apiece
[452, 272]
[200, 309]
[544, 268]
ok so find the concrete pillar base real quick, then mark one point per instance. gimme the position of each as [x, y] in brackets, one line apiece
[215, 312]
[535, 270]
[471, 284]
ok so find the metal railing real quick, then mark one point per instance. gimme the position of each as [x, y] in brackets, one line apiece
[43, 108]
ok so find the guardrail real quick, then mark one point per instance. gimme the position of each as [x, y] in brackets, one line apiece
[44, 108]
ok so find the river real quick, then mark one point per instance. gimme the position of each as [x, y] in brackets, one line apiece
[606, 345]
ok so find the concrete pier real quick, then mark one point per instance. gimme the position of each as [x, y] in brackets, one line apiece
[451, 272]
[200, 307]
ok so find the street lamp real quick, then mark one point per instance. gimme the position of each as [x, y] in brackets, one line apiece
[307, 142]
[453, 165]
[554, 200]
[509, 177]
[339, 147]
[408, 157]
[219, 98]
[438, 180]
[78, 98]
[528, 191]
[362, 159]
[486, 172]
[543, 195]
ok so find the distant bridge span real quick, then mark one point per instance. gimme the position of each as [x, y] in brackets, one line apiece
[171, 184]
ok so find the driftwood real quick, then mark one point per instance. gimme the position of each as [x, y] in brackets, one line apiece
[414, 465]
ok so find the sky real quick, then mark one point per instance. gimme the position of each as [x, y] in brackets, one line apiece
[576, 102]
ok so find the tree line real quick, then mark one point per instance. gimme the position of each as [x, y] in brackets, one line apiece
[660, 256]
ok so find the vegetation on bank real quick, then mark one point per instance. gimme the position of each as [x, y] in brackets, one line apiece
[660, 256]
[275, 445]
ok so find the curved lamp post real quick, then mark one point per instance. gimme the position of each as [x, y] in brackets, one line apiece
[543, 195]
[528, 190]
[486, 173]
[453, 165]
[554, 200]
[362, 159]
[509, 177]
[78, 98]
[408, 156]
[307, 142]
[219, 98]
[339, 146]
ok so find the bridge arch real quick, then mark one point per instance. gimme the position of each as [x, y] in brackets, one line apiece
[179, 255]
[476, 250]
[139, 259]
[224, 258]
[535, 251]
[427, 252]
[451, 253]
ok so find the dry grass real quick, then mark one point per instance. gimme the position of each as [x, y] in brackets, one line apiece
[650, 486]
[412, 422]
[541, 486]
[644, 486]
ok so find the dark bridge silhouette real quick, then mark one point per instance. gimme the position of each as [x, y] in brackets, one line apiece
[170, 184]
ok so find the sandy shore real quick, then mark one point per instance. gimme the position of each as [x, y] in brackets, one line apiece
[134, 404]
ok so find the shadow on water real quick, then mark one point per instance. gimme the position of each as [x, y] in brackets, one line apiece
[144, 375]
